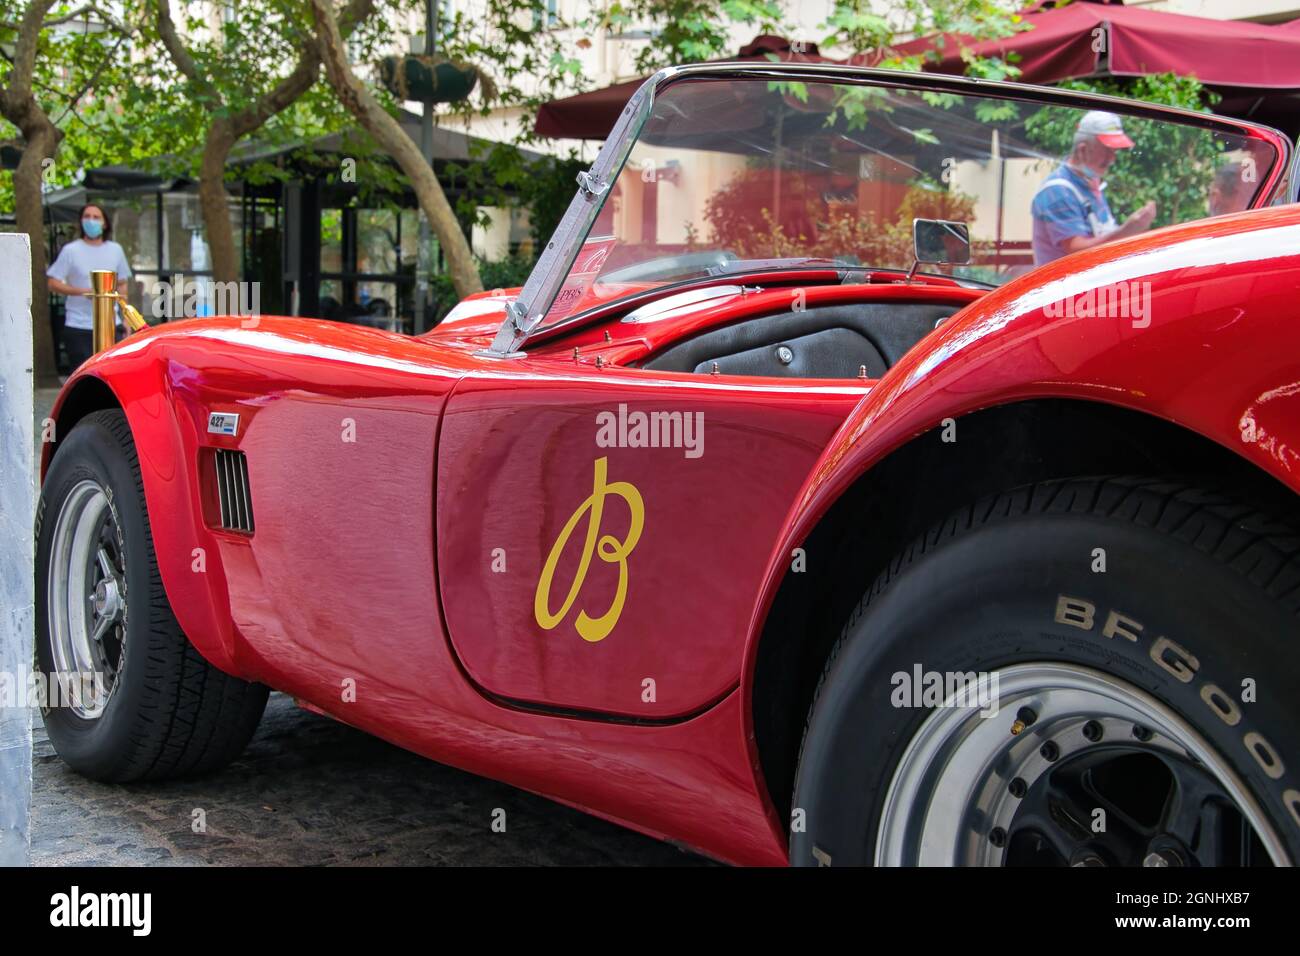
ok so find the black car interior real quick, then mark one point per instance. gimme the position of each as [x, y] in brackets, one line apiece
[824, 342]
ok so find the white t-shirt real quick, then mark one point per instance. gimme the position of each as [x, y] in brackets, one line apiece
[74, 264]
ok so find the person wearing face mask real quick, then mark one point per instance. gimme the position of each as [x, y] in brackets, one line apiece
[70, 276]
[1070, 210]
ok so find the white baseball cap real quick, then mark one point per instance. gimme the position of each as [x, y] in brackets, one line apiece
[1104, 127]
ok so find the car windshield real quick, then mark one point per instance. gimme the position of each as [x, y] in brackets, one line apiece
[735, 175]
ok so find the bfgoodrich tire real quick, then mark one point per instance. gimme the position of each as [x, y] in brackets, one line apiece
[1094, 672]
[130, 697]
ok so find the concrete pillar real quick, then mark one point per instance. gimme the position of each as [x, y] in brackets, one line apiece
[491, 243]
[17, 518]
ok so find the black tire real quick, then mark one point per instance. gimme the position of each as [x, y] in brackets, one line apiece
[170, 713]
[982, 591]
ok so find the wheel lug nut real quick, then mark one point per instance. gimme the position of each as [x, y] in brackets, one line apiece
[1092, 730]
[998, 837]
[1050, 751]
[1018, 788]
[1025, 717]
[1141, 733]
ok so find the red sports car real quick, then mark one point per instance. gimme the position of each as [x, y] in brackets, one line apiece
[875, 468]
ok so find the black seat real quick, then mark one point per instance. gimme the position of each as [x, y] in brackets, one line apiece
[825, 342]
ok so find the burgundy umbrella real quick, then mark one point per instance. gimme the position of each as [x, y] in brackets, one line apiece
[1255, 67]
[1092, 39]
[592, 115]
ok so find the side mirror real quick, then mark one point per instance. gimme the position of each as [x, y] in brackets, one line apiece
[940, 241]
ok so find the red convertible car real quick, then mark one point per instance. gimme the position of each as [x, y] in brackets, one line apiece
[876, 468]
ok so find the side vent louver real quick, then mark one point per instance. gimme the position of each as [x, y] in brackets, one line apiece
[232, 491]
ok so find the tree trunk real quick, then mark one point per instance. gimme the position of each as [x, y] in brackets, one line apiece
[361, 103]
[41, 139]
[214, 201]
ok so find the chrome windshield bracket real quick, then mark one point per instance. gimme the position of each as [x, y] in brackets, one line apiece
[516, 315]
[515, 325]
[592, 188]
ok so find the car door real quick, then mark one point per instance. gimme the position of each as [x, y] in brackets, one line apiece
[589, 556]
[602, 533]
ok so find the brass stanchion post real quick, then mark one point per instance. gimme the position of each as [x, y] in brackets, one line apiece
[104, 298]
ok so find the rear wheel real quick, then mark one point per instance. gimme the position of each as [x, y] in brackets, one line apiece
[128, 696]
[1094, 672]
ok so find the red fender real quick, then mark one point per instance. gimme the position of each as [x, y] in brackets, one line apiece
[138, 380]
[1217, 351]
[167, 384]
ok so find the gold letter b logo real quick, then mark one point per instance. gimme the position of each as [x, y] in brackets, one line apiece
[610, 549]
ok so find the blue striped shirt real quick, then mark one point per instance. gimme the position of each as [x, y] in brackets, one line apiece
[1064, 207]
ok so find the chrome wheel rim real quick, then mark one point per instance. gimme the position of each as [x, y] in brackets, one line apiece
[971, 790]
[86, 602]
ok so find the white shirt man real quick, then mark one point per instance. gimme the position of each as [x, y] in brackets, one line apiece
[69, 275]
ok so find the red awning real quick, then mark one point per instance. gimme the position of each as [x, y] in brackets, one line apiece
[1255, 67]
[1090, 39]
[592, 115]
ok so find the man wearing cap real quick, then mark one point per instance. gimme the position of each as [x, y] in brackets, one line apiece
[1070, 209]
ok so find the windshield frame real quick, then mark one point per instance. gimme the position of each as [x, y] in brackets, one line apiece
[525, 315]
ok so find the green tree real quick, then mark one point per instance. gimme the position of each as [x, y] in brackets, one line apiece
[370, 111]
[689, 31]
[53, 63]
[868, 30]
[533, 60]
[260, 61]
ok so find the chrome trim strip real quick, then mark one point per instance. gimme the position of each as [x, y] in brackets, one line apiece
[223, 487]
[236, 498]
[236, 519]
[244, 492]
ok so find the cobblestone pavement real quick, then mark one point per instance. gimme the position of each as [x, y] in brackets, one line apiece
[311, 791]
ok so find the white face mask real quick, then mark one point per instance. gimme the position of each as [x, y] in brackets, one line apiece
[1089, 173]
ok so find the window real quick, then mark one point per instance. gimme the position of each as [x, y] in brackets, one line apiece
[546, 14]
[367, 266]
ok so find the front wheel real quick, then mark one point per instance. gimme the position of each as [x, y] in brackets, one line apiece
[129, 698]
[1092, 672]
